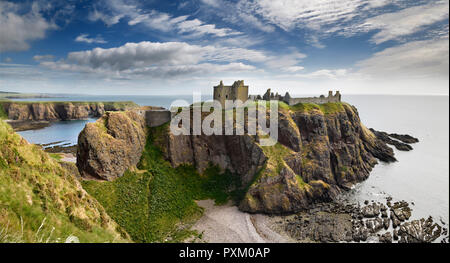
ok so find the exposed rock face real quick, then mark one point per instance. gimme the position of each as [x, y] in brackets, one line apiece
[111, 145]
[333, 151]
[52, 111]
[318, 155]
[238, 154]
[320, 152]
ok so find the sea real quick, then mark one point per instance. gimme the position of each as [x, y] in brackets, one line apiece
[420, 176]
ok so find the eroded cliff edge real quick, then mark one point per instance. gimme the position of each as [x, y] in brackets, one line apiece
[321, 150]
[54, 111]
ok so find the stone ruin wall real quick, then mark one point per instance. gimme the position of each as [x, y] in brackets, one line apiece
[315, 100]
[292, 101]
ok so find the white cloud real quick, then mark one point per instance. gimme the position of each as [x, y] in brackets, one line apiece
[239, 13]
[324, 73]
[18, 30]
[405, 22]
[156, 20]
[109, 20]
[86, 39]
[214, 3]
[350, 17]
[158, 59]
[288, 14]
[315, 42]
[197, 27]
[284, 62]
[7, 60]
[43, 57]
[294, 68]
[118, 9]
[418, 59]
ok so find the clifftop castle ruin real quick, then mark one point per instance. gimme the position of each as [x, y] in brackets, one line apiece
[239, 91]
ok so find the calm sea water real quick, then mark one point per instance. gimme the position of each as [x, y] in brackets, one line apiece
[420, 176]
[58, 133]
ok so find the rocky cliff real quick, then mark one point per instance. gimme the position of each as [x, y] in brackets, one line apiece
[321, 150]
[111, 145]
[53, 111]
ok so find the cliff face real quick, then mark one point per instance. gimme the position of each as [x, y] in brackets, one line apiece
[325, 151]
[52, 111]
[321, 150]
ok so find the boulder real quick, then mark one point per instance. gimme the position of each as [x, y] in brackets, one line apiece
[111, 145]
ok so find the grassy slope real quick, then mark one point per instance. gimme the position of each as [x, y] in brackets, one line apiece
[326, 108]
[42, 202]
[155, 203]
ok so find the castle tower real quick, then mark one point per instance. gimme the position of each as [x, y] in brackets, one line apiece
[237, 91]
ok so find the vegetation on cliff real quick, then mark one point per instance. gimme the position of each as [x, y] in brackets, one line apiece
[156, 202]
[40, 201]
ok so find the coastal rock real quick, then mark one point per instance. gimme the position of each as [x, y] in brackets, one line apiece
[401, 211]
[372, 210]
[386, 238]
[401, 142]
[404, 138]
[54, 111]
[322, 226]
[419, 231]
[111, 145]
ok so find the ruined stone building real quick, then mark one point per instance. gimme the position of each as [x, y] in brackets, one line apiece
[292, 101]
[237, 91]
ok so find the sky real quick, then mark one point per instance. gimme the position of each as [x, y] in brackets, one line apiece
[179, 47]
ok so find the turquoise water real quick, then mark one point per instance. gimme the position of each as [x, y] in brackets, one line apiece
[420, 176]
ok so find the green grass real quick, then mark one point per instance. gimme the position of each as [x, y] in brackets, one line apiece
[156, 203]
[3, 114]
[326, 108]
[275, 155]
[55, 156]
[42, 202]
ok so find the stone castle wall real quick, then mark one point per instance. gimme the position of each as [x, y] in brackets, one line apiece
[238, 91]
[154, 118]
[292, 101]
[315, 100]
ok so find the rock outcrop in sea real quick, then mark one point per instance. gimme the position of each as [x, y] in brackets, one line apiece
[321, 151]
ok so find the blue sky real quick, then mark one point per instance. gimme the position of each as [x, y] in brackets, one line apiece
[176, 47]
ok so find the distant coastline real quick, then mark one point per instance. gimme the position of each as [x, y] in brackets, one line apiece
[18, 95]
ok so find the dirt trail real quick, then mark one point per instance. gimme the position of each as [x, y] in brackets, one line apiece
[225, 223]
